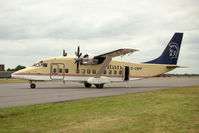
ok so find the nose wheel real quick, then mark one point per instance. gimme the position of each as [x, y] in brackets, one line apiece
[32, 85]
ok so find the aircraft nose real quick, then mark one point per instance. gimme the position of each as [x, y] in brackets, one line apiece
[16, 75]
[13, 75]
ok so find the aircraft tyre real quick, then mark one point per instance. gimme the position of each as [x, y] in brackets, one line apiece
[99, 85]
[87, 85]
[32, 86]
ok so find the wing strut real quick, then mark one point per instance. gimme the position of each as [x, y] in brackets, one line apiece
[104, 65]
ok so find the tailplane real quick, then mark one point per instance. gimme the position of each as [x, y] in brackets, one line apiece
[171, 52]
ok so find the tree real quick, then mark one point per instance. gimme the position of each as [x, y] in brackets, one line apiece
[19, 67]
[10, 69]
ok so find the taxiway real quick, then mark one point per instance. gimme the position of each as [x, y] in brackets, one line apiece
[17, 94]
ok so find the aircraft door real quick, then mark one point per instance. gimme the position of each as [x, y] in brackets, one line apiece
[126, 73]
[57, 71]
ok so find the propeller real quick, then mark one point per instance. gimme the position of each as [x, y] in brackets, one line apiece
[78, 54]
[78, 60]
[64, 52]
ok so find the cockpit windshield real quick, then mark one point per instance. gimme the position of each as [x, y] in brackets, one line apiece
[40, 64]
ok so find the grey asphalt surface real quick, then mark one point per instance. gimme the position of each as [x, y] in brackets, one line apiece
[17, 94]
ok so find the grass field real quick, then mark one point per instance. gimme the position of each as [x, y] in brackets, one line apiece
[166, 111]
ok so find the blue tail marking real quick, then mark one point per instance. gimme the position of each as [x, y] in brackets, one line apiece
[171, 52]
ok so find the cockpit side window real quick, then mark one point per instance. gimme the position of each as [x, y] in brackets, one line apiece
[45, 64]
[40, 64]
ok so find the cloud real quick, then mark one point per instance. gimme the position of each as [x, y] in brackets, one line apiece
[34, 29]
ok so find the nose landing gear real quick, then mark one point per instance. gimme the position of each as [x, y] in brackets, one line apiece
[87, 85]
[32, 85]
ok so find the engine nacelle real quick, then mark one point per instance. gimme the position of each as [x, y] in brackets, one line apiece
[87, 59]
[88, 56]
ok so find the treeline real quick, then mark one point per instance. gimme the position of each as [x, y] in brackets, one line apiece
[19, 67]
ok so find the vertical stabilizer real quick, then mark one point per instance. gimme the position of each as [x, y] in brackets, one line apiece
[171, 52]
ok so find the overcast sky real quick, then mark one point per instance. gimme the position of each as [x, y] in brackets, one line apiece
[32, 30]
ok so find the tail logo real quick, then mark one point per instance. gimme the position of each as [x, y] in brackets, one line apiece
[173, 50]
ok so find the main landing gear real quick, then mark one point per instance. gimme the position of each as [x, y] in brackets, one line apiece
[32, 85]
[87, 85]
[99, 86]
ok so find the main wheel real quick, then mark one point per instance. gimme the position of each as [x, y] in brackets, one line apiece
[32, 86]
[99, 85]
[87, 85]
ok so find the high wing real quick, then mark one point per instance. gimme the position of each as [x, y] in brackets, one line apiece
[107, 57]
[119, 52]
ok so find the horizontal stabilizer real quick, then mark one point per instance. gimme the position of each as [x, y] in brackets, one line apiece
[175, 66]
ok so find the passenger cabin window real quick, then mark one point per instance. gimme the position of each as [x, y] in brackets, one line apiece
[54, 70]
[120, 72]
[94, 71]
[104, 71]
[60, 70]
[115, 72]
[66, 70]
[83, 71]
[109, 71]
[88, 71]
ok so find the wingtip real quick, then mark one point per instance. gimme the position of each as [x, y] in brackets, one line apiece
[136, 50]
[179, 33]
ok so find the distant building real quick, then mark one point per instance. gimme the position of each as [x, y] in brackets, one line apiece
[2, 67]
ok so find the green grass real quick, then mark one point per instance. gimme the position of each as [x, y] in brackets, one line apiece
[166, 111]
[5, 81]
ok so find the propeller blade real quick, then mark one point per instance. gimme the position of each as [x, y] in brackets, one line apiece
[78, 66]
[80, 54]
[78, 50]
[64, 52]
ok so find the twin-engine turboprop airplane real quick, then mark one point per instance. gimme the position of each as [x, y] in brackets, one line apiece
[101, 69]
